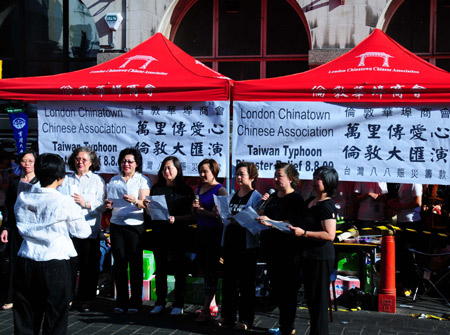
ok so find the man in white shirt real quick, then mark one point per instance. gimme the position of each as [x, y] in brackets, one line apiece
[45, 220]
[371, 197]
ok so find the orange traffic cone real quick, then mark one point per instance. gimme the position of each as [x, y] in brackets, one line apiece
[387, 297]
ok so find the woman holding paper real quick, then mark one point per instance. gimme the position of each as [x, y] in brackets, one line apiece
[240, 251]
[10, 234]
[129, 189]
[169, 235]
[318, 229]
[280, 248]
[88, 191]
[209, 231]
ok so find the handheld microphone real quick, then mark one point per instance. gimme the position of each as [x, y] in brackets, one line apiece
[263, 203]
[196, 198]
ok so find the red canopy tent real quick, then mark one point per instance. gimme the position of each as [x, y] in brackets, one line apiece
[156, 70]
[378, 70]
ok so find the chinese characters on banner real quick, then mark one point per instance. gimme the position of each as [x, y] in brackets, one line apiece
[192, 131]
[391, 144]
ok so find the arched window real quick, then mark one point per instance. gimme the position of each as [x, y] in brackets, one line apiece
[422, 27]
[244, 39]
[41, 37]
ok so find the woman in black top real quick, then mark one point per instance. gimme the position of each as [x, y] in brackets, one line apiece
[10, 234]
[318, 230]
[280, 248]
[169, 236]
[240, 253]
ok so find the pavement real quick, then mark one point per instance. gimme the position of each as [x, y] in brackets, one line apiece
[101, 320]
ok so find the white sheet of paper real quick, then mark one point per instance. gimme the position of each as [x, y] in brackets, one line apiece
[158, 208]
[115, 193]
[247, 219]
[221, 201]
[283, 226]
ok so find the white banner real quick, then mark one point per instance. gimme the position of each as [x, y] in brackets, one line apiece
[192, 131]
[391, 144]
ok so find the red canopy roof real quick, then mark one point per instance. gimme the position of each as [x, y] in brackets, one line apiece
[378, 70]
[156, 70]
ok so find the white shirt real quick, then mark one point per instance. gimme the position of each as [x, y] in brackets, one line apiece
[46, 219]
[92, 188]
[370, 209]
[130, 214]
[407, 193]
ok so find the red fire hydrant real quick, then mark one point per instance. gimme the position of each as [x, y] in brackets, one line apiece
[387, 296]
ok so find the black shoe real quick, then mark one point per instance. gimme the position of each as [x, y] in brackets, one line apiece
[85, 308]
[224, 323]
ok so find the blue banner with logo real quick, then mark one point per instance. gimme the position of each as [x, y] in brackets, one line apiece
[19, 125]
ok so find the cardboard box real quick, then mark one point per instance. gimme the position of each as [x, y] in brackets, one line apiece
[145, 290]
[195, 290]
[148, 265]
[344, 283]
[170, 288]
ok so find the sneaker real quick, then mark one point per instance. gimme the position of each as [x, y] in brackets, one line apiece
[176, 311]
[85, 308]
[133, 310]
[7, 306]
[222, 322]
[241, 326]
[157, 310]
[118, 310]
[277, 331]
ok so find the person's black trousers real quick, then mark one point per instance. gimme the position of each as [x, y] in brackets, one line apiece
[316, 278]
[88, 250]
[126, 247]
[239, 277]
[284, 275]
[208, 242]
[162, 270]
[285, 280]
[42, 292]
[404, 259]
[14, 243]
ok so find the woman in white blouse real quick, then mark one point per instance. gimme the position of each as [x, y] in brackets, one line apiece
[127, 225]
[88, 191]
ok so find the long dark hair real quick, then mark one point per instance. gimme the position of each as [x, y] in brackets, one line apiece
[179, 179]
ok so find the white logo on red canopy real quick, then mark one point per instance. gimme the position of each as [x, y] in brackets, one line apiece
[147, 59]
[372, 54]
